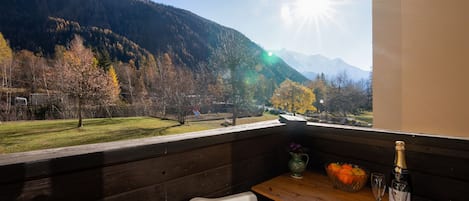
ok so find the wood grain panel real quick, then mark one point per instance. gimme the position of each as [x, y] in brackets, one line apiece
[200, 184]
[85, 185]
[128, 176]
[440, 161]
[245, 161]
[150, 193]
[233, 162]
[439, 169]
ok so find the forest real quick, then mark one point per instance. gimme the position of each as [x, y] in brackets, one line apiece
[157, 60]
[79, 83]
[76, 83]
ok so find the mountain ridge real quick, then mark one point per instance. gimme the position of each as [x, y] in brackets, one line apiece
[314, 64]
[153, 27]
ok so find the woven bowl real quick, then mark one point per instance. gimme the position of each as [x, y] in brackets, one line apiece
[346, 176]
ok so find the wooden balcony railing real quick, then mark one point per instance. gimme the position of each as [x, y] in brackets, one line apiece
[225, 161]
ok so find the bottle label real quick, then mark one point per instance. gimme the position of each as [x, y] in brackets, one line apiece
[396, 195]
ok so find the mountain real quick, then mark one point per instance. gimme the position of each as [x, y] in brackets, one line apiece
[312, 65]
[125, 30]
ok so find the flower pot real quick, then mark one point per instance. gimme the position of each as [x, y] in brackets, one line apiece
[297, 164]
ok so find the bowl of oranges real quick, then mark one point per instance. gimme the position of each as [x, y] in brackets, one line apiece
[346, 176]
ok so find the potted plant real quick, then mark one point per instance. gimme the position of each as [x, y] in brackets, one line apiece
[299, 160]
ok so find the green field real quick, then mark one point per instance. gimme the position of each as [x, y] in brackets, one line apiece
[34, 135]
[365, 116]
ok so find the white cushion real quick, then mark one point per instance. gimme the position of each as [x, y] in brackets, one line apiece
[246, 196]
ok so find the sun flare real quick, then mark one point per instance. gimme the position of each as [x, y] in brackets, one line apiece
[313, 8]
[307, 11]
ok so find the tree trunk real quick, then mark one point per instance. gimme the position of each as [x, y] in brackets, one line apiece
[180, 113]
[164, 107]
[235, 114]
[181, 119]
[80, 120]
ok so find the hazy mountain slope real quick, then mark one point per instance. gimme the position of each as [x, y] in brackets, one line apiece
[154, 27]
[312, 65]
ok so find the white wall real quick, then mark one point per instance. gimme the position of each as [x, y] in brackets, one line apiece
[421, 66]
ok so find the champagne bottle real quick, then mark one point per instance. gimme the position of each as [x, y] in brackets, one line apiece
[400, 186]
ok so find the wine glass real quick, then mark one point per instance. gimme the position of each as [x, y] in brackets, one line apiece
[398, 191]
[378, 185]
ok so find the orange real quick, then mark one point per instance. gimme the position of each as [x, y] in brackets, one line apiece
[347, 166]
[334, 168]
[345, 176]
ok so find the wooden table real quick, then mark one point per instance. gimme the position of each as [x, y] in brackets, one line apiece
[313, 187]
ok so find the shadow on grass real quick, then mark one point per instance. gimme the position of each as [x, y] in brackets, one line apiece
[103, 121]
[34, 132]
[41, 129]
[123, 134]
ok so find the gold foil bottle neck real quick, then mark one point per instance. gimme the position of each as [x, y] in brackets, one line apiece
[400, 145]
[399, 159]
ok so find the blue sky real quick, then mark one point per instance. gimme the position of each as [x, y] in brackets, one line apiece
[333, 28]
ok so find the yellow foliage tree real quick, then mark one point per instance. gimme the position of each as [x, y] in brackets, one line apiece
[115, 84]
[6, 70]
[5, 61]
[5, 50]
[293, 97]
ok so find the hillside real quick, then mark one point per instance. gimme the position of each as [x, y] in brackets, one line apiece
[125, 30]
[312, 65]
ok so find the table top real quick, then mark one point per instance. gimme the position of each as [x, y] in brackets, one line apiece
[313, 187]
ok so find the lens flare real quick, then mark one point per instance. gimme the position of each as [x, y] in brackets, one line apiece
[305, 12]
[313, 8]
[306, 16]
[269, 58]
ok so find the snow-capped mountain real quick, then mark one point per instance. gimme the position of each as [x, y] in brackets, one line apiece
[312, 65]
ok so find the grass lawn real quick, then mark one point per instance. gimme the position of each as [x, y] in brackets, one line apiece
[366, 117]
[34, 135]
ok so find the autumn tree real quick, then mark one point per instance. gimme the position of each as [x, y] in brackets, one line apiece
[182, 92]
[369, 93]
[115, 83]
[82, 80]
[293, 97]
[127, 77]
[264, 89]
[6, 56]
[150, 73]
[146, 83]
[216, 88]
[31, 72]
[234, 56]
[167, 74]
[177, 88]
[319, 86]
[208, 85]
[345, 96]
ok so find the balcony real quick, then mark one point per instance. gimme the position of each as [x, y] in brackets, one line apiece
[225, 161]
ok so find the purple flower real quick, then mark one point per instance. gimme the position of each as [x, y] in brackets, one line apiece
[296, 148]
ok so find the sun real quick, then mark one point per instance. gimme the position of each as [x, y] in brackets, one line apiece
[313, 9]
[309, 11]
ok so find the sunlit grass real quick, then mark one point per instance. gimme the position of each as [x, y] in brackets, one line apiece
[34, 135]
[205, 125]
[365, 116]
